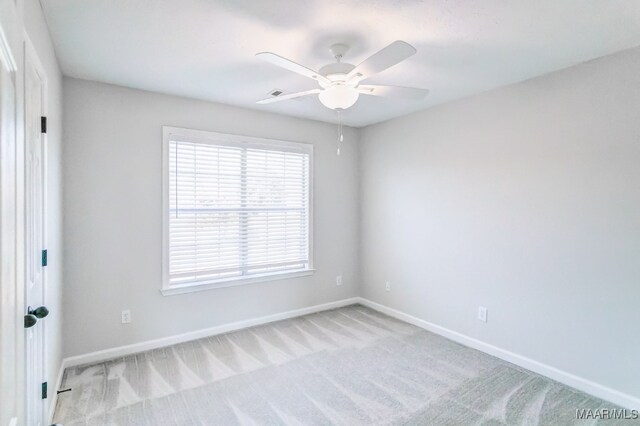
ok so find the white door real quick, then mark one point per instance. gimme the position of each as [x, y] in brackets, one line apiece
[35, 154]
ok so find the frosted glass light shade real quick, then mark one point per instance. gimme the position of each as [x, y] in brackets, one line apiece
[339, 96]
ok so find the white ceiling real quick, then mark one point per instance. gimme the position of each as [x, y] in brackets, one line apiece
[205, 48]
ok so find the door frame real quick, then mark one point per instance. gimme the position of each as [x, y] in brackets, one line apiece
[11, 294]
[31, 60]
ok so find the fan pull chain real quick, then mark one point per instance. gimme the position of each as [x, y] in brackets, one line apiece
[340, 133]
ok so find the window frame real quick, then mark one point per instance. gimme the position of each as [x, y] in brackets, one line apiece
[215, 138]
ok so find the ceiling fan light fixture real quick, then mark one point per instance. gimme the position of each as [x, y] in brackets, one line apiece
[339, 96]
[340, 82]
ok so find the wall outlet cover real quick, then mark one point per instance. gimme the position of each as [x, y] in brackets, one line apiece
[483, 313]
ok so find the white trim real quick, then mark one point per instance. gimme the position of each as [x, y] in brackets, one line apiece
[215, 138]
[231, 282]
[54, 391]
[121, 351]
[12, 360]
[170, 133]
[585, 385]
[5, 53]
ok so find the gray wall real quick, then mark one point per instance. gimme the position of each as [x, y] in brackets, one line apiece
[36, 29]
[525, 200]
[113, 216]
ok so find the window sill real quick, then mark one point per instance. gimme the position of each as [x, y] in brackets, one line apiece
[208, 285]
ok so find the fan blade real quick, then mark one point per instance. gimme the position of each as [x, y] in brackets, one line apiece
[291, 66]
[394, 53]
[291, 96]
[394, 91]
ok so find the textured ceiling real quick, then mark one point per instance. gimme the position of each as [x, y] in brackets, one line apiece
[205, 48]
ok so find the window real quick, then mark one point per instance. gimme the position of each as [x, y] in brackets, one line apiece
[236, 209]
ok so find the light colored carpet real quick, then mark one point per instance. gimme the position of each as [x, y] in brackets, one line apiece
[346, 366]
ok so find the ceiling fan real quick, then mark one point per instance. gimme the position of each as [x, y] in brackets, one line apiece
[340, 82]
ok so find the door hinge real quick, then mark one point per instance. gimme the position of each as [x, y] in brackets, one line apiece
[44, 390]
[44, 258]
[43, 124]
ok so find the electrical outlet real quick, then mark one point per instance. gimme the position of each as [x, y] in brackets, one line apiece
[387, 286]
[339, 280]
[483, 313]
[126, 316]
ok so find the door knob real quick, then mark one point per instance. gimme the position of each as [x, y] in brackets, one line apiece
[40, 312]
[30, 320]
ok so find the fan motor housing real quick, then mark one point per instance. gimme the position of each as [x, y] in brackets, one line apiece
[336, 71]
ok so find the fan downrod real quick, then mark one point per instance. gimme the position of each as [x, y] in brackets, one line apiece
[338, 50]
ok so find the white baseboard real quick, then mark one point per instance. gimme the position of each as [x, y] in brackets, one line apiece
[121, 351]
[587, 386]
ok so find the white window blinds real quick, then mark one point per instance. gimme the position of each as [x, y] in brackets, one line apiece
[236, 210]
